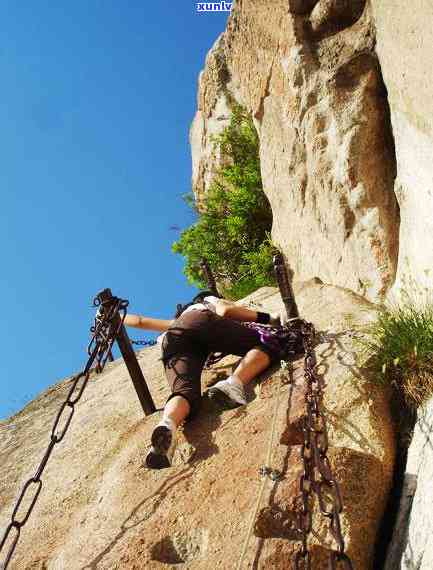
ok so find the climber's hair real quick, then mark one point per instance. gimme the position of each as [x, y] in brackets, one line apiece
[197, 299]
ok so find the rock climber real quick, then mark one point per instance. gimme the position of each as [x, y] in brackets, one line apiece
[206, 325]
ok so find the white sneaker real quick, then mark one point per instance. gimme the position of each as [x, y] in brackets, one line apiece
[227, 395]
[161, 453]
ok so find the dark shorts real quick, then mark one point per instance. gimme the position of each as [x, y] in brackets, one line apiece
[190, 340]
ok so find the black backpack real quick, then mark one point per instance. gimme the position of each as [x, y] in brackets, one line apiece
[197, 299]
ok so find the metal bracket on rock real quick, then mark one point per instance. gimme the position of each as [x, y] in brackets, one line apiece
[273, 474]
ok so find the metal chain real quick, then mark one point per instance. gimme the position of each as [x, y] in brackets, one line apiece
[104, 332]
[317, 477]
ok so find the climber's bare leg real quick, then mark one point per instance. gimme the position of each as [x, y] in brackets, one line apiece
[176, 409]
[163, 437]
[230, 393]
[252, 364]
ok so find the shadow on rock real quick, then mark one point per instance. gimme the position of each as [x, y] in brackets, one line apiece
[141, 513]
[199, 432]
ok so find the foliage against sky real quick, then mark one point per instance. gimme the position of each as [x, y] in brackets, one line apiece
[232, 232]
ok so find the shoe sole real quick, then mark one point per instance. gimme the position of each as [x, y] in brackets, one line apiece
[161, 442]
[222, 400]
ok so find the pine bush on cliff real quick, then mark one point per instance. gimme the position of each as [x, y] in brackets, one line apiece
[234, 218]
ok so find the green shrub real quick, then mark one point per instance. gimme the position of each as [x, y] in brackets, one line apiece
[232, 230]
[259, 272]
[399, 348]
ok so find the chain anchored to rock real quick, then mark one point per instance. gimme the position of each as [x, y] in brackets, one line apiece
[273, 474]
[104, 331]
[317, 478]
[107, 328]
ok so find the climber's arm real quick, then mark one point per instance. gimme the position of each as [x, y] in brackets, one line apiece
[229, 310]
[147, 323]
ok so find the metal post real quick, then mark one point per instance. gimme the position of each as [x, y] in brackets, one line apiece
[285, 286]
[209, 277]
[130, 359]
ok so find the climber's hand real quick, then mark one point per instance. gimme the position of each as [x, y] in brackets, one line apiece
[278, 319]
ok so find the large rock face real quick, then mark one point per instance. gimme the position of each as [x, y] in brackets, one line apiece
[411, 546]
[405, 47]
[211, 118]
[418, 551]
[311, 79]
[100, 508]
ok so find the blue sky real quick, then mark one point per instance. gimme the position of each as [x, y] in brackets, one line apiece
[96, 101]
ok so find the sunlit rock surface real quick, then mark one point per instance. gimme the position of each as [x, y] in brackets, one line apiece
[100, 508]
[411, 545]
[405, 48]
[312, 81]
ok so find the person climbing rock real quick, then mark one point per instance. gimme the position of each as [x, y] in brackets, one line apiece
[207, 325]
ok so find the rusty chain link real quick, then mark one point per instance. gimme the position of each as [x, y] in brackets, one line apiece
[317, 478]
[104, 332]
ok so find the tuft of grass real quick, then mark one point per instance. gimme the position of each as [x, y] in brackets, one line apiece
[399, 349]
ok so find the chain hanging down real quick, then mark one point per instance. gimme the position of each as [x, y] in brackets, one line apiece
[104, 332]
[317, 477]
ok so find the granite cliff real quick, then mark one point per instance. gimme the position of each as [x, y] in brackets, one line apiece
[339, 92]
[101, 508]
[340, 96]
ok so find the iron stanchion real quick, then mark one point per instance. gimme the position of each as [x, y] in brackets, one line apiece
[130, 359]
[209, 277]
[285, 287]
